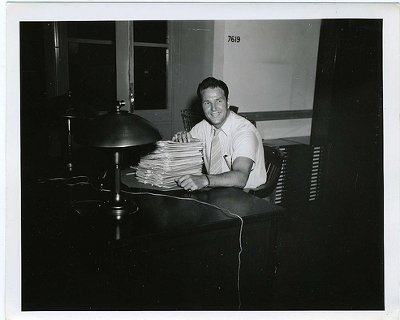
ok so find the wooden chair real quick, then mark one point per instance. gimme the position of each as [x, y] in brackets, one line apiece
[191, 118]
[273, 165]
[234, 109]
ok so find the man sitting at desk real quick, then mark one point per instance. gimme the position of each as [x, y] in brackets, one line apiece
[233, 150]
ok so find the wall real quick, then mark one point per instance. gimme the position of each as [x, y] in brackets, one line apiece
[193, 56]
[271, 68]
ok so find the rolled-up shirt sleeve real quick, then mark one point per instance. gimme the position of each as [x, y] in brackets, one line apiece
[199, 131]
[245, 144]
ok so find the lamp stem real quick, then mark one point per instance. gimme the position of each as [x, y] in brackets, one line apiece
[117, 177]
[69, 145]
[118, 206]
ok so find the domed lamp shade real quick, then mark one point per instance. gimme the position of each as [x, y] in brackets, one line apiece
[117, 130]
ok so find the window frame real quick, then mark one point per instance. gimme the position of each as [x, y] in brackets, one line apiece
[168, 87]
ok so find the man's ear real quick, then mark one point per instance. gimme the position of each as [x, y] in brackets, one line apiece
[227, 103]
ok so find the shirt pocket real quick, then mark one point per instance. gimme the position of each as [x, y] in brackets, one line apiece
[228, 161]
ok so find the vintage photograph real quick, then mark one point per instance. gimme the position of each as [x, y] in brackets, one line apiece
[201, 164]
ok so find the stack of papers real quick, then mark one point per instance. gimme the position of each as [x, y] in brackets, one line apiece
[169, 161]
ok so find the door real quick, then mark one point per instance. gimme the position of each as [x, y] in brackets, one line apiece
[143, 65]
[348, 108]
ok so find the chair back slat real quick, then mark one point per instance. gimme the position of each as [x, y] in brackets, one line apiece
[190, 118]
[273, 165]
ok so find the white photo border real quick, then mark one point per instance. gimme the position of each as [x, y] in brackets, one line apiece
[53, 11]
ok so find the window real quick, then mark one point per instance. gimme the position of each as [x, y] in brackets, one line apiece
[150, 60]
[91, 63]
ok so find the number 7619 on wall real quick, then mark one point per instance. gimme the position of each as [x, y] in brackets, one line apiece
[233, 38]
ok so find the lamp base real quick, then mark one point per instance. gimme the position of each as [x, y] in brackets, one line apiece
[119, 210]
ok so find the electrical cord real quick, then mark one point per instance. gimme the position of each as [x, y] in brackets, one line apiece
[224, 210]
[70, 181]
[84, 180]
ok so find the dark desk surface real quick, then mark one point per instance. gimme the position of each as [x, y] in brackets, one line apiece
[84, 260]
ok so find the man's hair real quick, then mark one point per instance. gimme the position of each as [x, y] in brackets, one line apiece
[211, 82]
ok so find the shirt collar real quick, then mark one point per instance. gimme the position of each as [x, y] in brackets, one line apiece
[226, 126]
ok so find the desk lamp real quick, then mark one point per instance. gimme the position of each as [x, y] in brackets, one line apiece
[117, 130]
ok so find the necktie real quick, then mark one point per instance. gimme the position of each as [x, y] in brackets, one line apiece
[216, 154]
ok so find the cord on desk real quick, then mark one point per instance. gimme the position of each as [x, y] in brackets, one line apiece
[224, 210]
[86, 181]
[75, 204]
[70, 181]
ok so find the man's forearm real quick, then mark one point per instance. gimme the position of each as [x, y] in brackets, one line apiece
[228, 179]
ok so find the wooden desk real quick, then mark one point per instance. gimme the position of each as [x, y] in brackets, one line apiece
[173, 254]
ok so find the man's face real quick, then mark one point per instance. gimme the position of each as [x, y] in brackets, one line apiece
[215, 106]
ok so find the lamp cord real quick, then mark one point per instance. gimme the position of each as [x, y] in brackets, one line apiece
[84, 180]
[225, 211]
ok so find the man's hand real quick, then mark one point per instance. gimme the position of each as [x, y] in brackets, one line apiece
[193, 182]
[183, 136]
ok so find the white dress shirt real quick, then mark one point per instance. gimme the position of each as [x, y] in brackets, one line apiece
[239, 138]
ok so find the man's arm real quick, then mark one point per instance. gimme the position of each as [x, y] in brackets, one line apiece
[237, 177]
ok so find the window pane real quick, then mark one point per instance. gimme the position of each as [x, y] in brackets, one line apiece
[150, 31]
[150, 78]
[92, 75]
[98, 30]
